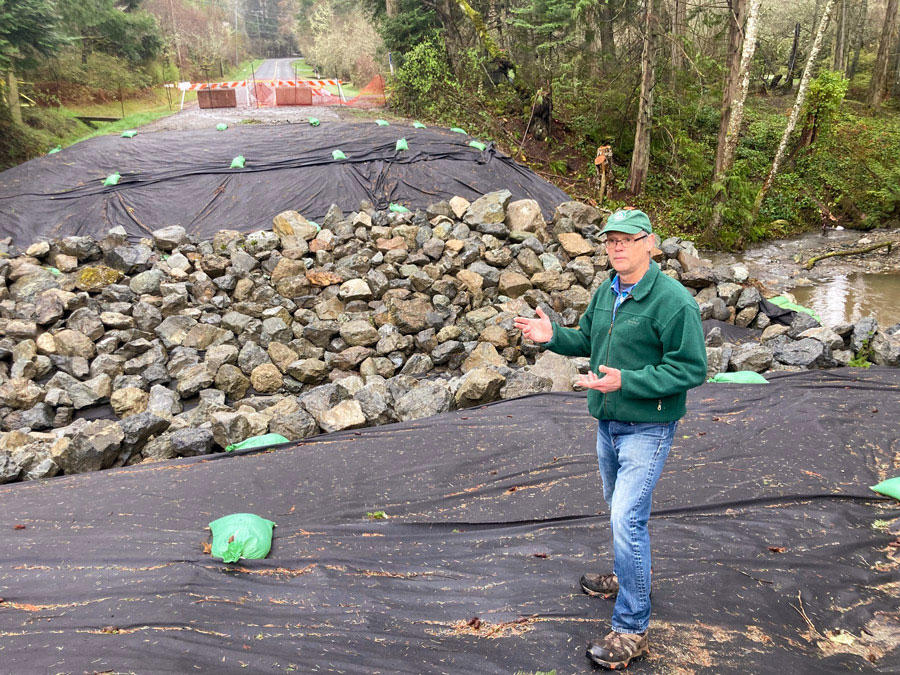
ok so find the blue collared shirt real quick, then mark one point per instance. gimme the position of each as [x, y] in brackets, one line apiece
[621, 292]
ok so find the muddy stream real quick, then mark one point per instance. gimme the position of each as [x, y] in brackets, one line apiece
[840, 289]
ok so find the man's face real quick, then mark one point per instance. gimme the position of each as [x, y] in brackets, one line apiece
[629, 253]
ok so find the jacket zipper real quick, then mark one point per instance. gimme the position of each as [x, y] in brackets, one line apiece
[609, 345]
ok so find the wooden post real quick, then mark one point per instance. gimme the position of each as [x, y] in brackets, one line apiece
[13, 93]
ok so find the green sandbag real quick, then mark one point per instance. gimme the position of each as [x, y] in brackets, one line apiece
[401, 145]
[382, 123]
[397, 208]
[315, 224]
[740, 377]
[130, 133]
[313, 121]
[478, 144]
[258, 442]
[221, 126]
[889, 487]
[419, 125]
[55, 150]
[784, 303]
[337, 154]
[238, 162]
[241, 535]
[457, 130]
[112, 179]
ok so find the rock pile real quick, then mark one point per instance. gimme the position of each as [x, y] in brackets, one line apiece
[115, 352]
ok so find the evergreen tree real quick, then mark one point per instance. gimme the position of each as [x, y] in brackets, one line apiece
[28, 29]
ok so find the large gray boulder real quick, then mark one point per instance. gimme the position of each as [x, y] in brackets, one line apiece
[88, 447]
[479, 386]
[345, 415]
[427, 399]
[751, 356]
[192, 442]
[863, 332]
[167, 238]
[558, 369]
[487, 214]
[525, 383]
[805, 352]
[138, 429]
[294, 426]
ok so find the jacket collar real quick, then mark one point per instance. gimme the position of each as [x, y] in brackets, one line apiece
[642, 289]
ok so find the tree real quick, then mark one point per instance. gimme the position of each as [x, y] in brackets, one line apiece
[679, 30]
[28, 29]
[403, 24]
[549, 23]
[737, 16]
[792, 61]
[839, 62]
[798, 105]
[733, 108]
[102, 26]
[879, 73]
[598, 15]
[640, 157]
[859, 34]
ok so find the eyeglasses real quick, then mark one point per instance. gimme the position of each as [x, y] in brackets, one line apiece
[626, 243]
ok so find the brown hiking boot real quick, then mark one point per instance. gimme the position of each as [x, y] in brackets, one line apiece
[617, 650]
[600, 585]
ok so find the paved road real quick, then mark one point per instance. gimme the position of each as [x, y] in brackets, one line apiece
[276, 69]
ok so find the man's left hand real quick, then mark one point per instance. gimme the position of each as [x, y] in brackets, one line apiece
[611, 380]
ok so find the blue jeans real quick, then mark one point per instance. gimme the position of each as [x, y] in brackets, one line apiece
[631, 457]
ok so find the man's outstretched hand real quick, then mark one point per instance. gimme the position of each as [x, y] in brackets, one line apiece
[536, 330]
[611, 380]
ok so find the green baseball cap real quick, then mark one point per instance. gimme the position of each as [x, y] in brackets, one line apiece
[629, 221]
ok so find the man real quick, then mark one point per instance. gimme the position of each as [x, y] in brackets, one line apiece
[643, 335]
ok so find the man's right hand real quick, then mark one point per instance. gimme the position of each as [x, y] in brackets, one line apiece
[536, 330]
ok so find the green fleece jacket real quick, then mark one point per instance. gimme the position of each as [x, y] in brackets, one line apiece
[656, 341]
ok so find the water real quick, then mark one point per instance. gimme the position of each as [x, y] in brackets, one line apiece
[840, 291]
[849, 297]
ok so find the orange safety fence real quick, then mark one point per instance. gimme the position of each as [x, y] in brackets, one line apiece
[266, 93]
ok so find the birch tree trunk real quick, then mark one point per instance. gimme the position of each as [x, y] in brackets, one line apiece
[640, 157]
[798, 104]
[738, 15]
[736, 106]
[879, 74]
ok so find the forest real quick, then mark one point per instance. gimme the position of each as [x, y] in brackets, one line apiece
[729, 121]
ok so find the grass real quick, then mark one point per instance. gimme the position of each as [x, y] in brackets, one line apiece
[128, 122]
[140, 110]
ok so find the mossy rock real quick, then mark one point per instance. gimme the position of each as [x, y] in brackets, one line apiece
[95, 278]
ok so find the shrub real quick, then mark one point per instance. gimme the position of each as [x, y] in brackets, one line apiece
[424, 82]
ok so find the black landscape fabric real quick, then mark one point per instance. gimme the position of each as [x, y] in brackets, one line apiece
[183, 178]
[771, 555]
